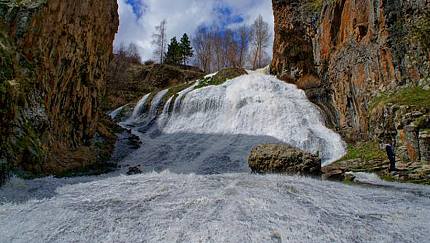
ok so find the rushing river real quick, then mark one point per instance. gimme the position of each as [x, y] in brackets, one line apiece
[197, 186]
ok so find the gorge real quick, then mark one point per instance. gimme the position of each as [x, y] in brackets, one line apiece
[203, 190]
[344, 73]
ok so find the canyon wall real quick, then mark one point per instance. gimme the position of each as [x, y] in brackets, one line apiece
[353, 58]
[57, 56]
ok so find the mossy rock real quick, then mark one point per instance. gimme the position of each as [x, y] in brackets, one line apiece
[221, 77]
[174, 93]
[412, 96]
[365, 151]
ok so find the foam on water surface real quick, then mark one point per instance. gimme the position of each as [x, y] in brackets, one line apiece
[202, 195]
[168, 207]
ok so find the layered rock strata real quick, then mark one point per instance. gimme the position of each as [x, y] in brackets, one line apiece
[60, 51]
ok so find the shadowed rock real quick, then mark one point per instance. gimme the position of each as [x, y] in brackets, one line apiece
[282, 158]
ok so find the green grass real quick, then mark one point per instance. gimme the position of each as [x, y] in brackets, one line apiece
[413, 96]
[366, 151]
[207, 82]
[174, 92]
[221, 77]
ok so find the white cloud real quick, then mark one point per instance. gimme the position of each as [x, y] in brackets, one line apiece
[183, 16]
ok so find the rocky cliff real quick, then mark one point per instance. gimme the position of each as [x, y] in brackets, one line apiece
[365, 62]
[57, 56]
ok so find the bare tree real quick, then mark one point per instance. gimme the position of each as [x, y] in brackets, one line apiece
[133, 54]
[203, 47]
[218, 48]
[123, 59]
[260, 41]
[243, 44]
[159, 40]
[231, 49]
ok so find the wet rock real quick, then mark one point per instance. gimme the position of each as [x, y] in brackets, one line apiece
[424, 141]
[134, 170]
[349, 177]
[333, 174]
[283, 158]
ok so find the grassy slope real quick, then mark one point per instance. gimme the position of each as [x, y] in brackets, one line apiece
[413, 96]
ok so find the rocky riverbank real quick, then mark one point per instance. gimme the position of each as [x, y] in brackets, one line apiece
[366, 65]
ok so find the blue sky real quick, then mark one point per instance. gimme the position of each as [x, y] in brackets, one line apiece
[138, 18]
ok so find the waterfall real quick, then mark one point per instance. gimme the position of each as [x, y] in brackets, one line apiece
[255, 105]
[201, 195]
[115, 113]
[139, 108]
[143, 117]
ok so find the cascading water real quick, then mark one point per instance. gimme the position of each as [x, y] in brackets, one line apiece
[257, 105]
[139, 109]
[210, 131]
[213, 129]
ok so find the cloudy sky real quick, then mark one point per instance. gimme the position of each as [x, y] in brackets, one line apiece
[138, 18]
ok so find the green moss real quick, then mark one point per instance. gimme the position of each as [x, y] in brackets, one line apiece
[314, 5]
[387, 177]
[174, 92]
[317, 5]
[221, 77]
[366, 151]
[420, 30]
[413, 96]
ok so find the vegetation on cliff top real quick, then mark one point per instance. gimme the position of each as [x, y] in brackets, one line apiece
[128, 79]
[413, 96]
[221, 77]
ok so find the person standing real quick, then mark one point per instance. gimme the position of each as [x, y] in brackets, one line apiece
[391, 156]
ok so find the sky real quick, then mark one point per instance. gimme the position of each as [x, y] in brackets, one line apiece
[138, 18]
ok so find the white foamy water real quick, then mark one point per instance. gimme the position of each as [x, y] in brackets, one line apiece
[140, 108]
[256, 107]
[205, 196]
[169, 207]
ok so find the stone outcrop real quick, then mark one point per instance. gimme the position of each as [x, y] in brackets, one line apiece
[293, 59]
[345, 53]
[59, 51]
[282, 158]
[296, 25]
[406, 127]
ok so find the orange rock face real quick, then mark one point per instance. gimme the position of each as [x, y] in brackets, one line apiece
[357, 48]
[353, 43]
[69, 46]
[71, 43]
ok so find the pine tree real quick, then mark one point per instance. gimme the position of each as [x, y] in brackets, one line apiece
[186, 49]
[174, 53]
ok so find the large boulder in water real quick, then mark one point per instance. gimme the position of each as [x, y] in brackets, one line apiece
[283, 158]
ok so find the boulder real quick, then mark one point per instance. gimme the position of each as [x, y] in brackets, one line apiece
[134, 170]
[283, 158]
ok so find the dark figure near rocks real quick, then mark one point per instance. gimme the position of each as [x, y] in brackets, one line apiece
[391, 156]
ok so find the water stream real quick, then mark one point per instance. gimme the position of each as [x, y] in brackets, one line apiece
[197, 186]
